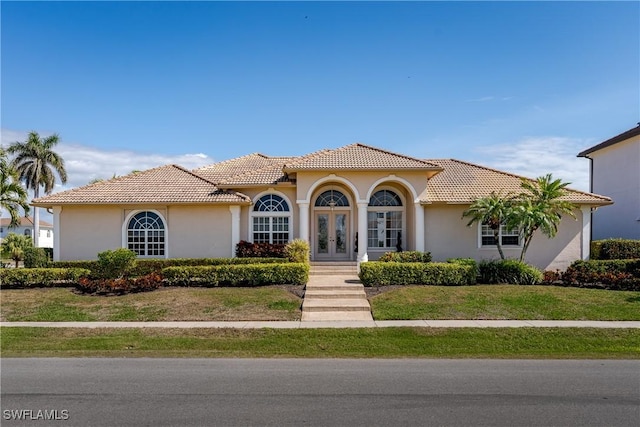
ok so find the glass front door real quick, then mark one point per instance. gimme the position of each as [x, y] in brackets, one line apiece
[332, 235]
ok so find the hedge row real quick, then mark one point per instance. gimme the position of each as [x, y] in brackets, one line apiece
[144, 267]
[406, 256]
[615, 249]
[416, 273]
[238, 275]
[40, 277]
[607, 274]
[508, 271]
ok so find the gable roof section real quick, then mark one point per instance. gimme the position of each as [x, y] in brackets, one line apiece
[612, 141]
[164, 184]
[25, 222]
[462, 183]
[359, 157]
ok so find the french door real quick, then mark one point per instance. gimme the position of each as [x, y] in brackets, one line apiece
[332, 235]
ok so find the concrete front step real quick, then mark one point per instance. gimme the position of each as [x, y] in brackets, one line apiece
[334, 287]
[336, 316]
[332, 272]
[320, 304]
[334, 293]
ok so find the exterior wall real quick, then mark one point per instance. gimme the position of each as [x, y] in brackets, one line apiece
[447, 236]
[199, 232]
[46, 234]
[87, 230]
[616, 173]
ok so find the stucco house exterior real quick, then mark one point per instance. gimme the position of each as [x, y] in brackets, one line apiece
[352, 203]
[26, 227]
[615, 171]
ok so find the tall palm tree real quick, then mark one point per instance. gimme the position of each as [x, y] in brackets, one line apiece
[36, 162]
[540, 207]
[493, 211]
[13, 196]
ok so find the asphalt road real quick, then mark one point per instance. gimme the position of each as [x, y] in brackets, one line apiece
[286, 392]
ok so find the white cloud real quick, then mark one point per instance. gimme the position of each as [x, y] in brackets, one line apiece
[536, 156]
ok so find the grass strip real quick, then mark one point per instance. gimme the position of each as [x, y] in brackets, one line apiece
[534, 343]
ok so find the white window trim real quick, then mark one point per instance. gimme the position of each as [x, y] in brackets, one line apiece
[385, 209]
[125, 227]
[494, 247]
[253, 213]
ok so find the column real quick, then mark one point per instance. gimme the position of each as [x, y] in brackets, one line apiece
[586, 232]
[419, 226]
[235, 228]
[56, 232]
[362, 233]
[303, 220]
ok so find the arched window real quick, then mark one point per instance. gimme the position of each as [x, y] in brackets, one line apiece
[146, 234]
[331, 198]
[384, 221]
[271, 219]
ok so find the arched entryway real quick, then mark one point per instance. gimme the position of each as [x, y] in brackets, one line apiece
[332, 224]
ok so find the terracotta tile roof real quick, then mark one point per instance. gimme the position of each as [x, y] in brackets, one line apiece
[359, 157]
[612, 141]
[25, 222]
[461, 183]
[164, 184]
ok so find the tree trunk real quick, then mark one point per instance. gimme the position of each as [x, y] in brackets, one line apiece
[496, 237]
[36, 219]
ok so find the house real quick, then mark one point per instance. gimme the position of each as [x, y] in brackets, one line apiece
[615, 171]
[26, 227]
[352, 203]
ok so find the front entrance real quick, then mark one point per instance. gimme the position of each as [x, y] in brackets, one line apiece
[332, 235]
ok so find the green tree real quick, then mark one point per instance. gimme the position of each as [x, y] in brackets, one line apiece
[493, 210]
[15, 246]
[539, 207]
[35, 161]
[13, 196]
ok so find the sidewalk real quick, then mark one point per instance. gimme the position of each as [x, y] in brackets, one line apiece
[339, 324]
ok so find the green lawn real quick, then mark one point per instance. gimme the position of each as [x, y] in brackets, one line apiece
[166, 304]
[323, 343]
[505, 302]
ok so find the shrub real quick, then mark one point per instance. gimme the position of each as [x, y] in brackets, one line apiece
[120, 286]
[18, 278]
[416, 273]
[407, 256]
[608, 274]
[298, 251]
[615, 249]
[509, 271]
[15, 245]
[238, 275]
[116, 264]
[466, 261]
[246, 249]
[35, 257]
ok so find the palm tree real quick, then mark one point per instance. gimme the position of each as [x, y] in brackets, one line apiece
[492, 211]
[13, 196]
[15, 245]
[36, 162]
[540, 207]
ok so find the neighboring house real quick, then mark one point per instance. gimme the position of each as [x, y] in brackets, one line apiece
[351, 203]
[615, 171]
[26, 227]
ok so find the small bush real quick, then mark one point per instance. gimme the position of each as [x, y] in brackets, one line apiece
[615, 249]
[298, 251]
[35, 258]
[238, 275]
[120, 286]
[466, 261]
[407, 256]
[19, 278]
[246, 249]
[607, 274]
[416, 273]
[509, 271]
[116, 264]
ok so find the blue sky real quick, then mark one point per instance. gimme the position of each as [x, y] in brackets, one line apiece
[519, 86]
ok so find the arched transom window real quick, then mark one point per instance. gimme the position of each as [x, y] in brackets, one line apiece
[146, 234]
[384, 221]
[331, 198]
[271, 220]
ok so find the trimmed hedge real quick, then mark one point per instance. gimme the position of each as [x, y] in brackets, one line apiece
[238, 275]
[120, 286]
[406, 256]
[144, 267]
[17, 278]
[608, 274]
[509, 271]
[377, 273]
[466, 261]
[615, 249]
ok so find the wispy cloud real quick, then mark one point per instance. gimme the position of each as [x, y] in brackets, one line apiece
[537, 156]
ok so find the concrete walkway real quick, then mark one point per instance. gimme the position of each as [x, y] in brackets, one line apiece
[341, 324]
